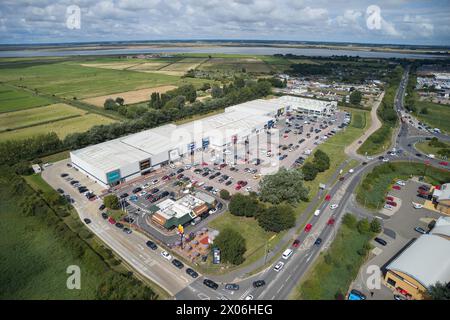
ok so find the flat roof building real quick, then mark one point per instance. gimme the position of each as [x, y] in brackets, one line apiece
[125, 158]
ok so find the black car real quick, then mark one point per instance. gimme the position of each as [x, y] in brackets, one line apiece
[204, 174]
[136, 190]
[104, 215]
[63, 175]
[259, 283]
[124, 195]
[102, 207]
[178, 264]
[418, 155]
[151, 245]
[380, 158]
[164, 194]
[87, 221]
[119, 225]
[232, 286]
[380, 241]
[228, 183]
[74, 182]
[209, 188]
[180, 170]
[364, 163]
[211, 284]
[154, 190]
[60, 190]
[318, 241]
[192, 273]
[219, 205]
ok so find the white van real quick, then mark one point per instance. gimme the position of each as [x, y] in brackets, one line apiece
[287, 253]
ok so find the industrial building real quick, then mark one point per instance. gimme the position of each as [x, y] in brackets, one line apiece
[422, 264]
[119, 160]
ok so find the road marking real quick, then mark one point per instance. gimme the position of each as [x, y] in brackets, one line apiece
[203, 296]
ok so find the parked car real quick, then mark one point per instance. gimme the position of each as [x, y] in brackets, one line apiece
[87, 221]
[296, 243]
[392, 203]
[396, 187]
[177, 263]
[119, 225]
[380, 241]
[166, 255]
[102, 207]
[111, 220]
[211, 284]
[420, 230]
[127, 230]
[401, 183]
[232, 286]
[192, 273]
[151, 245]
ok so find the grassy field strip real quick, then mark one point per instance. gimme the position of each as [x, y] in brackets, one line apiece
[61, 128]
[130, 97]
[70, 80]
[335, 269]
[36, 116]
[14, 99]
[437, 116]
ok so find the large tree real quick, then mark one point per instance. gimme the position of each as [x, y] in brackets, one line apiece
[285, 185]
[321, 161]
[355, 97]
[309, 171]
[232, 246]
[277, 218]
[241, 205]
[439, 291]
[111, 201]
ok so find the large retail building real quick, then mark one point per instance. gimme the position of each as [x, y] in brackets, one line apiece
[115, 161]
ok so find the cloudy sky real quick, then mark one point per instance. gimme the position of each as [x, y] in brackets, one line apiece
[383, 21]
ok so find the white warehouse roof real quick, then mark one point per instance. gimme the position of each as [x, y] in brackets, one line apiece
[304, 103]
[427, 260]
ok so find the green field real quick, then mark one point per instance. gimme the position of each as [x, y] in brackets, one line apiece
[438, 115]
[35, 116]
[12, 99]
[255, 237]
[62, 128]
[372, 191]
[333, 275]
[425, 147]
[68, 80]
[253, 65]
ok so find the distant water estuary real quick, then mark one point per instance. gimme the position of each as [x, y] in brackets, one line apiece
[252, 50]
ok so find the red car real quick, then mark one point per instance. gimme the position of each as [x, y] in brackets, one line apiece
[166, 178]
[308, 227]
[111, 220]
[390, 198]
[396, 188]
[330, 222]
[296, 243]
[204, 164]
[392, 203]
[237, 187]
[328, 197]
[443, 163]
[180, 176]
[223, 165]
